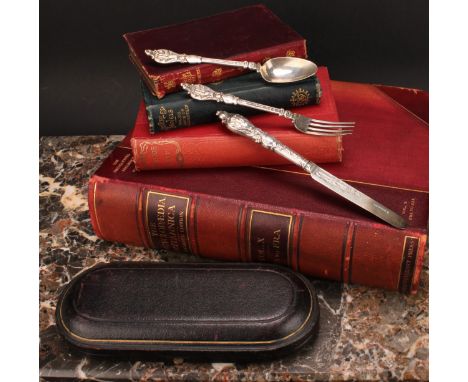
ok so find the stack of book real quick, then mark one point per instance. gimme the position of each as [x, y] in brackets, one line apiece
[180, 181]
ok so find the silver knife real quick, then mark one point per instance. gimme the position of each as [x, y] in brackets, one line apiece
[242, 126]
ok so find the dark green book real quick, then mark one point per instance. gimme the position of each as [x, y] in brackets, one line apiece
[179, 110]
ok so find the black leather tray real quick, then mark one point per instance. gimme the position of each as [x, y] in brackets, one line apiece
[227, 308]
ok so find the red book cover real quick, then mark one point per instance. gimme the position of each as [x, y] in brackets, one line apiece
[212, 145]
[252, 33]
[279, 214]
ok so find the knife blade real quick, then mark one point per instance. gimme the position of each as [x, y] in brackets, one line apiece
[242, 126]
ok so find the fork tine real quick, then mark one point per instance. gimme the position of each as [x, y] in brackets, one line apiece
[329, 131]
[334, 134]
[318, 127]
[331, 122]
[313, 124]
[313, 128]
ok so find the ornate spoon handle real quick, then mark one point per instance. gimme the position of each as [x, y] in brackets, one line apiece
[164, 56]
[204, 93]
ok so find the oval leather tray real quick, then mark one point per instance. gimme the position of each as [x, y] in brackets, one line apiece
[188, 308]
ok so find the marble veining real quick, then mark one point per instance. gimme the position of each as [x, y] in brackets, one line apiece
[365, 333]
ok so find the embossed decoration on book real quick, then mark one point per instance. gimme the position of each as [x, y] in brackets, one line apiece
[166, 150]
[299, 97]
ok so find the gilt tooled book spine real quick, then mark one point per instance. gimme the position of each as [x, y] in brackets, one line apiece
[212, 145]
[168, 212]
[251, 33]
[180, 110]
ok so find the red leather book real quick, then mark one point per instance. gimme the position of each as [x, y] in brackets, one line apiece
[251, 33]
[416, 101]
[212, 145]
[279, 214]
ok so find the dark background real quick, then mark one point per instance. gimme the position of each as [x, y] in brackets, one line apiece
[88, 85]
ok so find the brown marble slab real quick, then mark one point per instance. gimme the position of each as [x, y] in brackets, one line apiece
[365, 333]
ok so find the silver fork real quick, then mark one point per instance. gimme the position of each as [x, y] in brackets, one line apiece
[302, 123]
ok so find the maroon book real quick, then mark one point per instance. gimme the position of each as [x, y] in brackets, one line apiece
[252, 33]
[280, 214]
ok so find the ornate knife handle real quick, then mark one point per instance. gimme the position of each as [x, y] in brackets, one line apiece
[165, 56]
[242, 126]
[204, 93]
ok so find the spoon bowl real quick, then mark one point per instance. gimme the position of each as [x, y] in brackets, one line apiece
[287, 69]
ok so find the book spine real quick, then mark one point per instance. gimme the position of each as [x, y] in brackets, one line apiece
[206, 73]
[226, 151]
[315, 244]
[179, 110]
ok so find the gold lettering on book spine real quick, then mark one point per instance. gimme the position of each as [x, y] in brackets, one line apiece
[276, 244]
[162, 118]
[408, 208]
[408, 263]
[166, 218]
[166, 119]
[183, 116]
[269, 240]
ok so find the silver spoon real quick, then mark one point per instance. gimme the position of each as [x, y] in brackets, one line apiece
[277, 70]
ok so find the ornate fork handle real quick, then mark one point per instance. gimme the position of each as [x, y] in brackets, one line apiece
[165, 56]
[204, 93]
[242, 126]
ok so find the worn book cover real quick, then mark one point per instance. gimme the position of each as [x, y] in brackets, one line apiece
[252, 33]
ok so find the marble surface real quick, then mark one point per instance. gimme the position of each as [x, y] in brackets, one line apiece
[365, 333]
